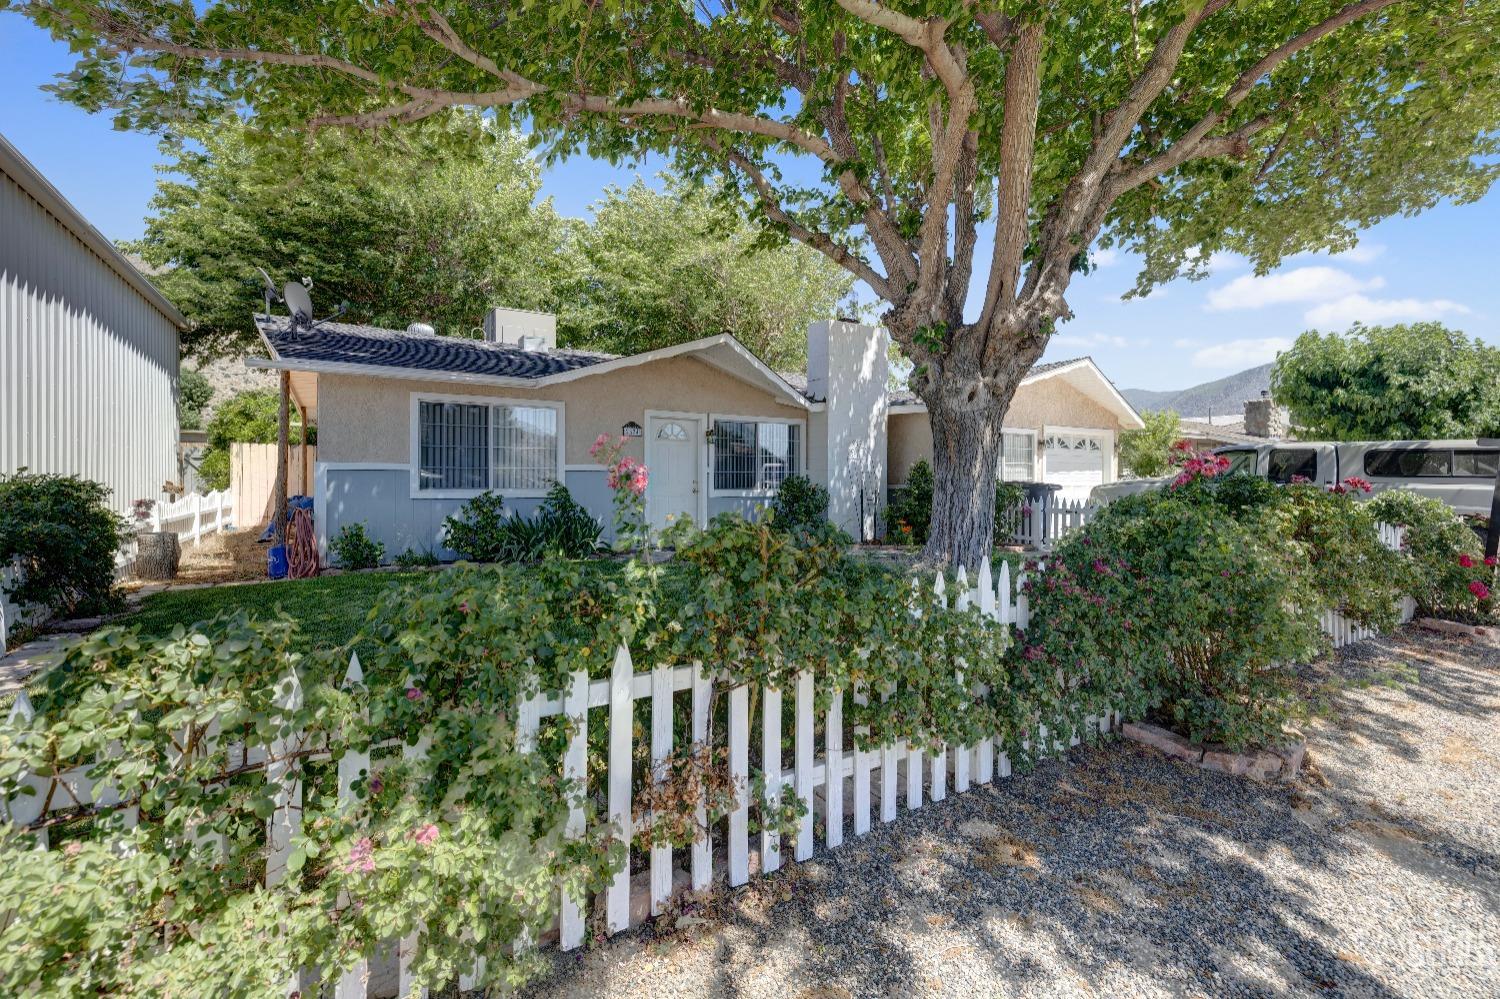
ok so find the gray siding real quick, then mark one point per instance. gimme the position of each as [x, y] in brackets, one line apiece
[88, 367]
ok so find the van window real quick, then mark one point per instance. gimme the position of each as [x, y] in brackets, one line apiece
[1288, 463]
[1239, 461]
[1475, 463]
[1408, 463]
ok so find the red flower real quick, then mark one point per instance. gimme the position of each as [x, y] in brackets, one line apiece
[413, 694]
[1466, 561]
[1490, 561]
[1479, 590]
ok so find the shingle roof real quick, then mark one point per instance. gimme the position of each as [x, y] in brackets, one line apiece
[903, 397]
[348, 343]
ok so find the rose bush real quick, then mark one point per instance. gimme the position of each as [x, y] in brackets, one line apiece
[1443, 557]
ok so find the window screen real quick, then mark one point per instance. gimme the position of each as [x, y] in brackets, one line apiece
[750, 456]
[1408, 463]
[454, 443]
[1288, 463]
[475, 446]
[1017, 457]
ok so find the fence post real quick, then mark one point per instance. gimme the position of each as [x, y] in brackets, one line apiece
[702, 846]
[802, 753]
[961, 753]
[575, 771]
[25, 809]
[770, 772]
[285, 823]
[739, 777]
[197, 503]
[940, 755]
[406, 948]
[833, 771]
[352, 765]
[915, 764]
[986, 750]
[661, 748]
[621, 722]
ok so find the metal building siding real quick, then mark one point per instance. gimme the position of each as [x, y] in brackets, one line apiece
[88, 367]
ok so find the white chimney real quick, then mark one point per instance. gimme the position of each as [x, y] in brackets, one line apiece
[848, 365]
[534, 331]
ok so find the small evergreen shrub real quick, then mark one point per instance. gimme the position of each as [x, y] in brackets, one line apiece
[61, 532]
[353, 548]
[800, 506]
[910, 511]
[483, 532]
[416, 558]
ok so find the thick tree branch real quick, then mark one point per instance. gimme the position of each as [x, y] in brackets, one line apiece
[1023, 94]
[821, 242]
[926, 35]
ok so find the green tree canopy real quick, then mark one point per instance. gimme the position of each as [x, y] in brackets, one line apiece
[194, 392]
[660, 267]
[406, 228]
[249, 417]
[1405, 382]
[1147, 452]
[884, 134]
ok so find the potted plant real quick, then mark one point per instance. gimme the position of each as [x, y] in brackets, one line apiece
[157, 553]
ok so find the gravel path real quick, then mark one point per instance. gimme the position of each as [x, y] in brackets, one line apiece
[1117, 872]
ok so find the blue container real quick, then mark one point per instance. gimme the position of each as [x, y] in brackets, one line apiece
[276, 564]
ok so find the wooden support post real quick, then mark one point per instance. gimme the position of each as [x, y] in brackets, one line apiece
[283, 420]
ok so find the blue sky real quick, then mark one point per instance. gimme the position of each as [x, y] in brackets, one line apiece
[1439, 265]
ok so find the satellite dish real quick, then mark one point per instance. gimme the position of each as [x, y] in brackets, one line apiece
[299, 302]
[269, 286]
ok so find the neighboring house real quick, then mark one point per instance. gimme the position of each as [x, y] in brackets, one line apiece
[1061, 428]
[88, 347]
[412, 425]
[1262, 421]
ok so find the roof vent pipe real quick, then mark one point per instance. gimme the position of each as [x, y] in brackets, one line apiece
[421, 329]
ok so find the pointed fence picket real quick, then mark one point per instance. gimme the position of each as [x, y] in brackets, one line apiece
[832, 777]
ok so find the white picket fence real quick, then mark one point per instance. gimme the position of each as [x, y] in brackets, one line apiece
[1042, 524]
[12, 615]
[845, 790]
[195, 516]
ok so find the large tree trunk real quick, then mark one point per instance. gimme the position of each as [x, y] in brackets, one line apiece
[966, 460]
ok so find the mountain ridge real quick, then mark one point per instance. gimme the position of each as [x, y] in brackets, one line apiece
[1221, 397]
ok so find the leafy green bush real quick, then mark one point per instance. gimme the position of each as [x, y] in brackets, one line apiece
[353, 548]
[1437, 545]
[1185, 610]
[910, 510]
[800, 506]
[251, 417]
[482, 531]
[64, 537]
[472, 826]
[1008, 497]
[416, 558]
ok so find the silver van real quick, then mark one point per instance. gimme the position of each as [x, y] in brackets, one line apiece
[1461, 473]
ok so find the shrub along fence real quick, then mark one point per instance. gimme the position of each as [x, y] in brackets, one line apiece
[833, 783]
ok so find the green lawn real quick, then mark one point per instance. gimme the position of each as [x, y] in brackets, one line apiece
[329, 609]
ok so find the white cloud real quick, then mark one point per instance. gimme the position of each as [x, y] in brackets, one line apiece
[1105, 258]
[1089, 340]
[1341, 312]
[1302, 284]
[1219, 261]
[1184, 342]
[1240, 353]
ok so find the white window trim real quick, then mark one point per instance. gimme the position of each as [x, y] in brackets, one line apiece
[1035, 454]
[713, 420]
[1107, 445]
[701, 456]
[414, 452]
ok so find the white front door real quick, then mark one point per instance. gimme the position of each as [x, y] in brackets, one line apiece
[674, 468]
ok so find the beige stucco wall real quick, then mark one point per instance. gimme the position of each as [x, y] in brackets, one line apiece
[1050, 402]
[368, 419]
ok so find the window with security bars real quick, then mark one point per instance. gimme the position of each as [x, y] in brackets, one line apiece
[1017, 456]
[755, 457]
[477, 446]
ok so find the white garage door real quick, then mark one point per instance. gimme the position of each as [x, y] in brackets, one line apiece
[1075, 461]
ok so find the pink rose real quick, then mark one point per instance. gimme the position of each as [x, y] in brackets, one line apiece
[427, 835]
[361, 857]
[1479, 590]
[1490, 561]
[1466, 561]
[413, 694]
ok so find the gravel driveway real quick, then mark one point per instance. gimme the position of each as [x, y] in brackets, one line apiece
[1119, 873]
